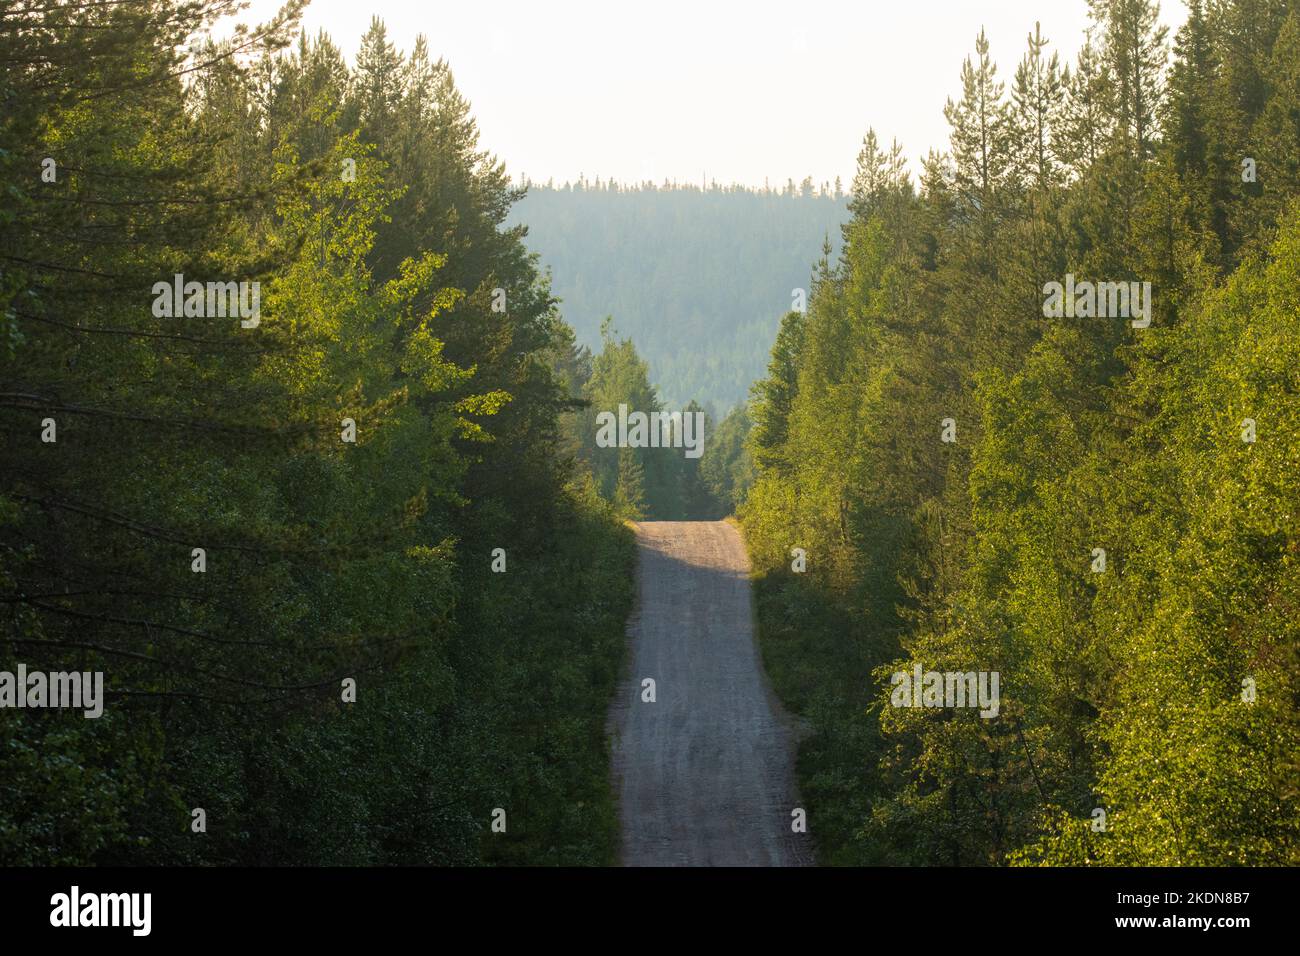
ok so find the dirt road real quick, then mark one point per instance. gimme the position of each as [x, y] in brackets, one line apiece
[704, 774]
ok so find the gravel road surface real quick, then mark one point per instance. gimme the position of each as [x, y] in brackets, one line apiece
[704, 774]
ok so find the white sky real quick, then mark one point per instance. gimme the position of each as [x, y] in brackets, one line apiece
[737, 91]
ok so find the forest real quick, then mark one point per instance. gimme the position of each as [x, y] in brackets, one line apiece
[1100, 509]
[302, 462]
[656, 484]
[352, 600]
[698, 275]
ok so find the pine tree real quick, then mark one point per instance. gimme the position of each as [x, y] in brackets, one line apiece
[629, 489]
[1278, 130]
[379, 75]
[1088, 118]
[1036, 97]
[980, 135]
[1134, 51]
[773, 396]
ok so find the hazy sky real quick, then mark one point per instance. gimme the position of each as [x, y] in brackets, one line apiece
[680, 90]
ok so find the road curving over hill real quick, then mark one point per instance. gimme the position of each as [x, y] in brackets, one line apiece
[704, 774]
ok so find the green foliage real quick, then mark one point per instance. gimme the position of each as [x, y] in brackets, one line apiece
[693, 275]
[727, 469]
[1125, 690]
[656, 483]
[359, 201]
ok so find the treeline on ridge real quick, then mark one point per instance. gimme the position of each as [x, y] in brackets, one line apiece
[698, 278]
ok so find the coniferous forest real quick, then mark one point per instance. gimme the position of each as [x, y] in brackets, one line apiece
[1102, 512]
[306, 405]
[233, 521]
[676, 264]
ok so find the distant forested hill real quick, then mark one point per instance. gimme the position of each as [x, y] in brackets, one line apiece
[698, 279]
